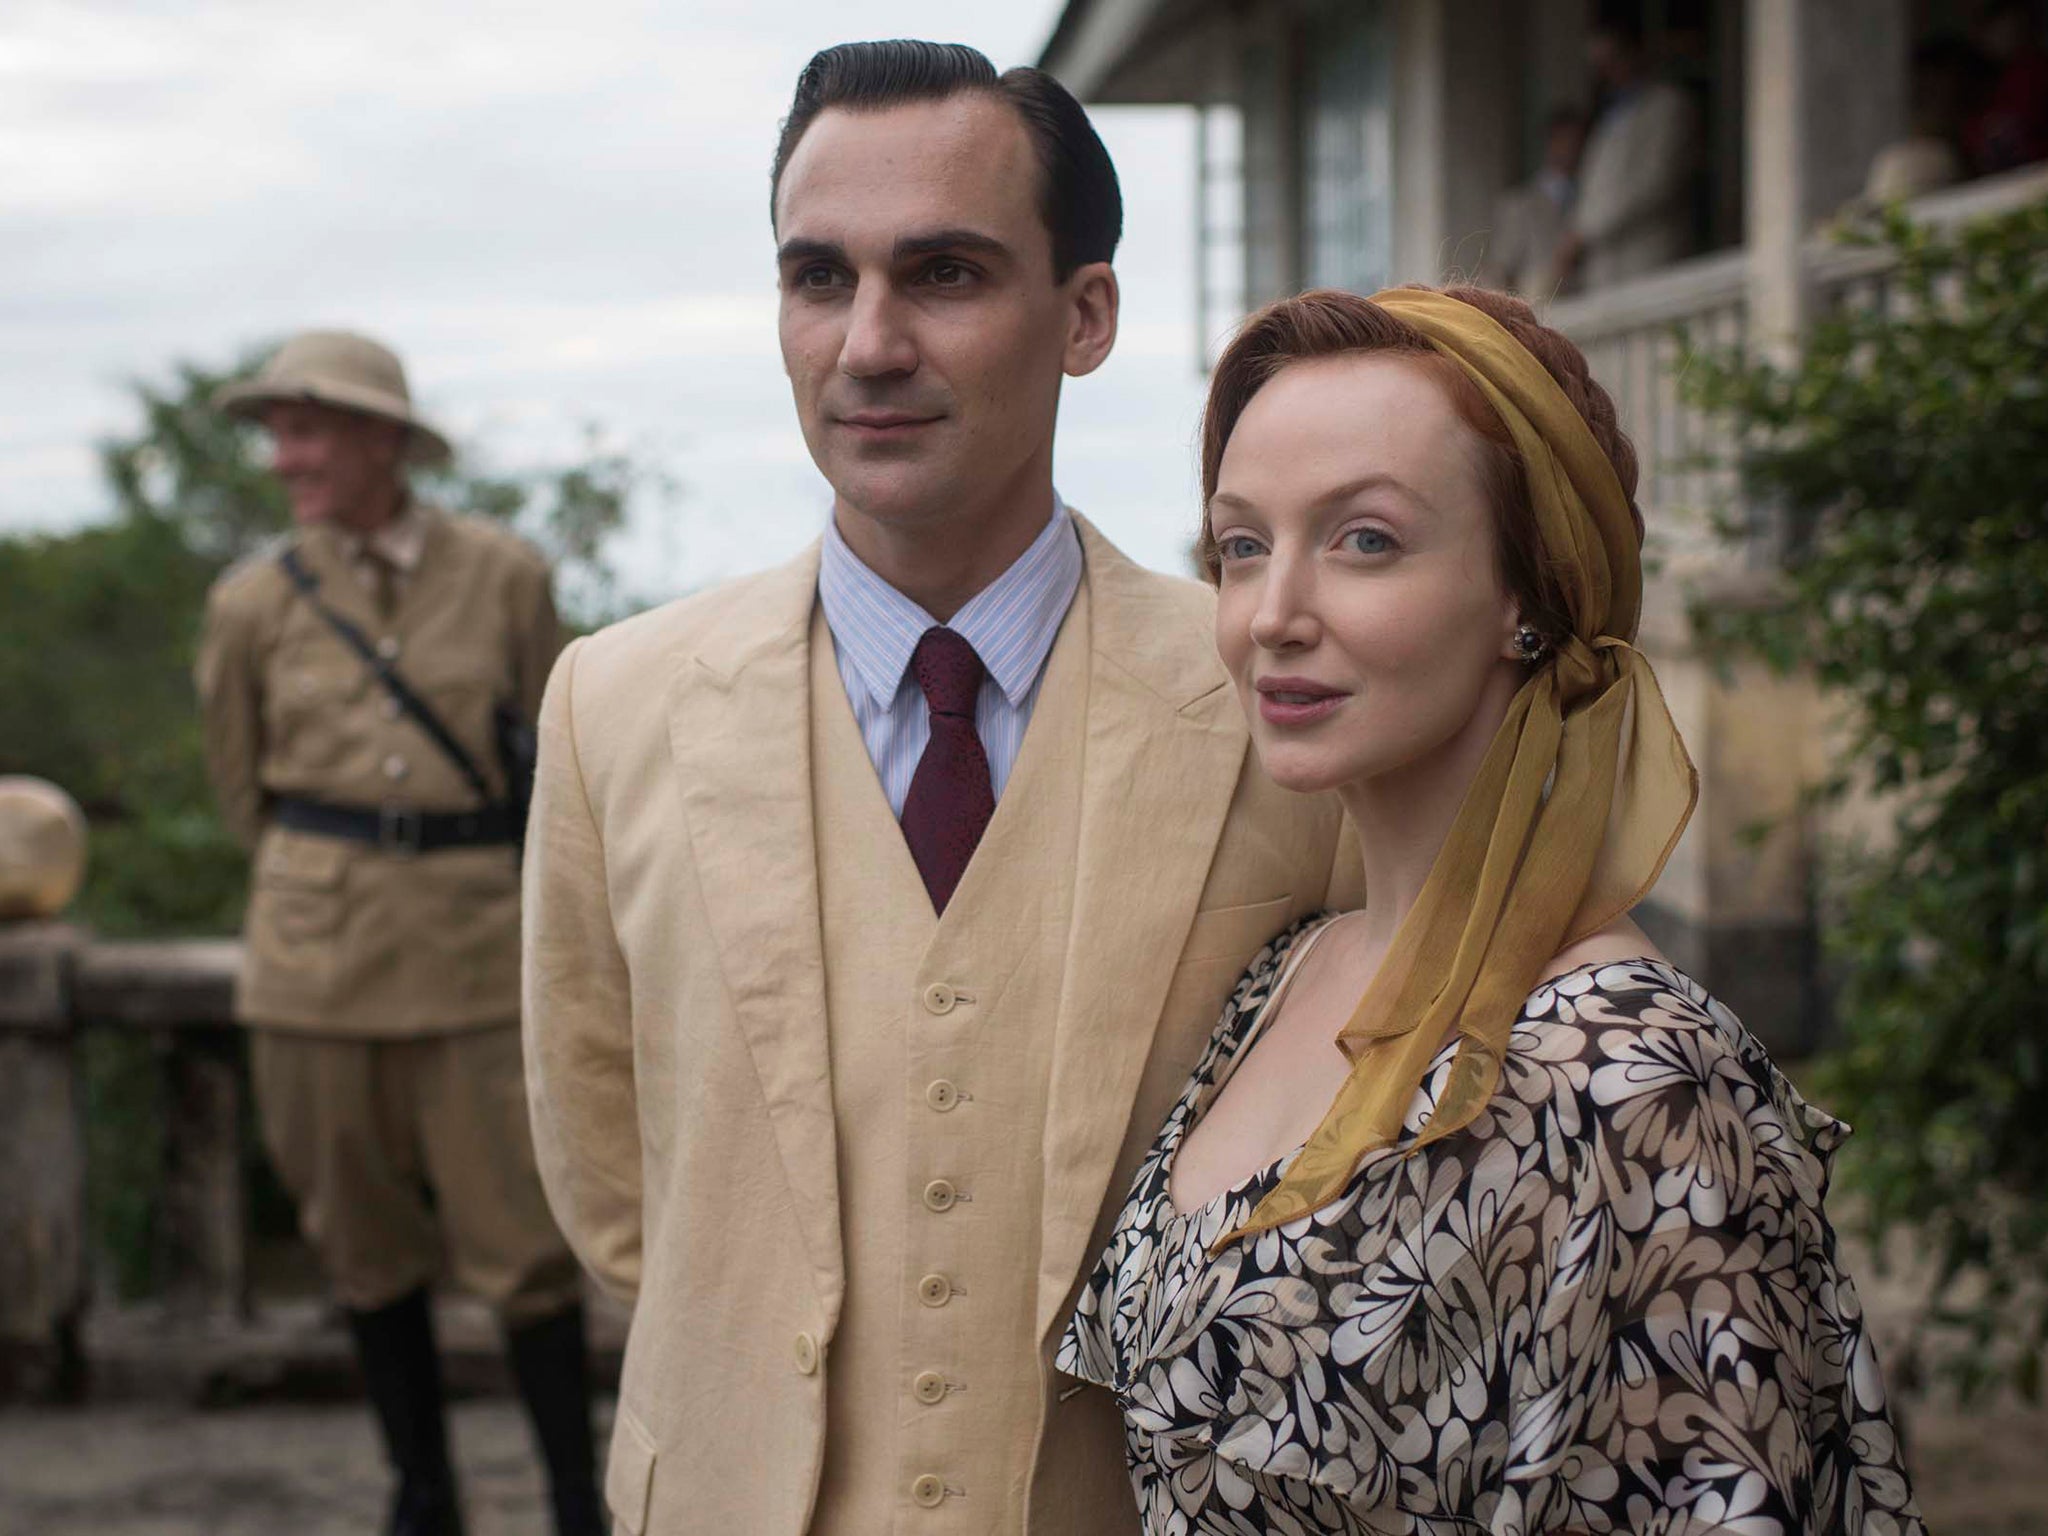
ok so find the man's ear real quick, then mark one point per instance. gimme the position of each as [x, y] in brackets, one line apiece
[1091, 318]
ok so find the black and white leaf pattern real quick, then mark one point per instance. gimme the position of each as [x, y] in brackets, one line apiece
[1611, 1304]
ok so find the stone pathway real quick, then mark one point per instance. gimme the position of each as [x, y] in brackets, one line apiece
[306, 1470]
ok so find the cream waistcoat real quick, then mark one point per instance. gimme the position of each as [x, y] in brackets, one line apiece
[940, 1032]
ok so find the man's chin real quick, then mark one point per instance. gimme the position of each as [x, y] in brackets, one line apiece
[910, 499]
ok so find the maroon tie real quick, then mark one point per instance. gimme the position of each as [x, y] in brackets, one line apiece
[950, 800]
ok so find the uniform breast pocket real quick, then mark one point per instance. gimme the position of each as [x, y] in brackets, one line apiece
[311, 701]
[298, 896]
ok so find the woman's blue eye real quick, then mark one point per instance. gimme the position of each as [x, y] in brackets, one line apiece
[1238, 546]
[1368, 541]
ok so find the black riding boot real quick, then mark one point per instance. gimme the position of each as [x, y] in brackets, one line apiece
[402, 1372]
[551, 1363]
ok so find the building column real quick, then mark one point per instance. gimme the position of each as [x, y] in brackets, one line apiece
[1828, 83]
[1826, 89]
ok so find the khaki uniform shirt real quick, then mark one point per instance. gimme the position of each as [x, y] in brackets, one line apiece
[343, 938]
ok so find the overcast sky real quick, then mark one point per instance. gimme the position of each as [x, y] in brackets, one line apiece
[556, 212]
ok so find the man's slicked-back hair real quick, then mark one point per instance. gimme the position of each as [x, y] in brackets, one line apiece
[1078, 195]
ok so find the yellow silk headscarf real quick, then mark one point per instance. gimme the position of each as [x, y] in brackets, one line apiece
[1578, 803]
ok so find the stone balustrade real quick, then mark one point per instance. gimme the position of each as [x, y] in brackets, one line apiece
[56, 983]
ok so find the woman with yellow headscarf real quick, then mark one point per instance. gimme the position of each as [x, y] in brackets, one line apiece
[1478, 1214]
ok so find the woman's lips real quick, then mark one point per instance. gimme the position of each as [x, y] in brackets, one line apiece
[1288, 701]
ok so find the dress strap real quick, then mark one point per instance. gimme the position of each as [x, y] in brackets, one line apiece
[1282, 984]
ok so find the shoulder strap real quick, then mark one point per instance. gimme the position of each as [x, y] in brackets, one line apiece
[422, 714]
[1290, 968]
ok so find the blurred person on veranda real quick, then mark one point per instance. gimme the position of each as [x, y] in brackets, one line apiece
[1528, 220]
[1930, 156]
[2010, 127]
[1633, 212]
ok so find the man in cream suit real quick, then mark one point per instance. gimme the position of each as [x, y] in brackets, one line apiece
[879, 905]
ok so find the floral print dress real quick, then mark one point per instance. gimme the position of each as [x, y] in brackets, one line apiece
[1610, 1304]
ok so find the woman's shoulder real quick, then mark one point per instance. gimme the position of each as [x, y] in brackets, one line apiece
[1640, 1063]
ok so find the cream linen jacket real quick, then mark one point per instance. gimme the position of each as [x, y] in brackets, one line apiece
[676, 1031]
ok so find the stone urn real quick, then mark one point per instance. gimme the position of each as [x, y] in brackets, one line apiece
[42, 849]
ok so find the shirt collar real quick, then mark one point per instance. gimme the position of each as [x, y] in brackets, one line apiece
[400, 541]
[1011, 623]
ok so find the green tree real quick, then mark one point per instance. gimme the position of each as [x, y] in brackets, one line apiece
[1904, 450]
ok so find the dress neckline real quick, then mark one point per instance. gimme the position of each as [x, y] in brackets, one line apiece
[1201, 1097]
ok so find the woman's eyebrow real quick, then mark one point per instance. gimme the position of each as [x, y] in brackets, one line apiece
[1378, 480]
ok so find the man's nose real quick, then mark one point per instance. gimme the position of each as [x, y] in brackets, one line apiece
[878, 340]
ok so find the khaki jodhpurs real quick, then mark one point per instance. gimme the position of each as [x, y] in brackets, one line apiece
[362, 1130]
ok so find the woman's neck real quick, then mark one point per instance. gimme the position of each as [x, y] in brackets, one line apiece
[1403, 817]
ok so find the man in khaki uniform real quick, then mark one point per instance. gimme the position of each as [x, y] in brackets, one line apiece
[879, 905]
[380, 972]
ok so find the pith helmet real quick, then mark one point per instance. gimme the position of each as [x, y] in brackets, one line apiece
[342, 369]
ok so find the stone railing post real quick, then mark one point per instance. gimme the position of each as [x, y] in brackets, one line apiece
[43, 1285]
[181, 992]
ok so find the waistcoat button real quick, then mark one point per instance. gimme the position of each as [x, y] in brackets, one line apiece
[388, 648]
[942, 1095]
[928, 1491]
[930, 1387]
[935, 1290]
[806, 1353]
[940, 1194]
[396, 767]
[940, 998]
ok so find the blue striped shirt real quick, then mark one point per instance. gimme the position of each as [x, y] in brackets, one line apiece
[1011, 623]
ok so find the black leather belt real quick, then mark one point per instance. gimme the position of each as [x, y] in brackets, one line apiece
[397, 828]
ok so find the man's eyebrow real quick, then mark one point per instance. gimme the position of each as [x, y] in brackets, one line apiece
[939, 240]
[799, 249]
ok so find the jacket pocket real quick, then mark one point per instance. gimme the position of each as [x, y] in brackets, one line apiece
[299, 887]
[1235, 933]
[629, 1477]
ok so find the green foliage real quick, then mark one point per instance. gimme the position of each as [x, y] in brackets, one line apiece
[95, 695]
[1904, 454]
[195, 469]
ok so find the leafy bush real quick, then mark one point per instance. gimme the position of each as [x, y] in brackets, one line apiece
[1906, 449]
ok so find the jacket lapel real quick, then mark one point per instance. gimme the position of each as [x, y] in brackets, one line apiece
[1164, 746]
[739, 731]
